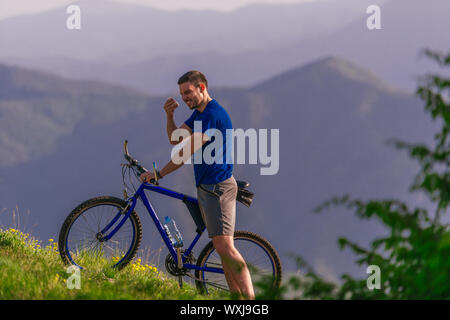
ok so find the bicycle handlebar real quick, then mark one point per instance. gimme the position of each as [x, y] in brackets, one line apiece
[134, 163]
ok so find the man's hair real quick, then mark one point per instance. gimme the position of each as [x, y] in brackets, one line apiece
[195, 77]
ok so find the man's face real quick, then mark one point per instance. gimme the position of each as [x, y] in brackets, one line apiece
[192, 95]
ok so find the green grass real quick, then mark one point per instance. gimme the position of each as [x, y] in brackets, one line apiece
[29, 270]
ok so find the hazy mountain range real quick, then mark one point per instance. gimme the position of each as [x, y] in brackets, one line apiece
[117, 33]
[149, 49]
[61, 143]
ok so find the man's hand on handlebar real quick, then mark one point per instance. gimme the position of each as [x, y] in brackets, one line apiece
[148, 177]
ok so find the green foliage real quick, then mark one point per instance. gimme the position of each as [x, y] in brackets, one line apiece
[414, 259]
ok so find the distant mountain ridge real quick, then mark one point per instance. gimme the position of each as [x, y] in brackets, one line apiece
[145, 48]
[38, 108]
[251, 44]
[123, 33]
[322, 67]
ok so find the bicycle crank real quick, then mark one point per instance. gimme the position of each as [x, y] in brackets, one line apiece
[173, 268]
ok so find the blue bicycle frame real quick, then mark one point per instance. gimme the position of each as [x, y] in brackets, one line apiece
[140, 193]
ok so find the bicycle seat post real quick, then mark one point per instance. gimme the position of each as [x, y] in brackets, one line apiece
[180, 266]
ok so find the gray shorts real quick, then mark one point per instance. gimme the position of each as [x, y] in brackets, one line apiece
[217, 204]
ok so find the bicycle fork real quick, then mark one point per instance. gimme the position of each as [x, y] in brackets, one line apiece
[125, 212]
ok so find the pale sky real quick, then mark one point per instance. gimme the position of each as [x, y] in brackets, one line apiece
[9, 8]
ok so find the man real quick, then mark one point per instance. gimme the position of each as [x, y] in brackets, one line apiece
[216, 186]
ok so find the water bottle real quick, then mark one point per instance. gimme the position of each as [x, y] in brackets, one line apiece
[172, 232]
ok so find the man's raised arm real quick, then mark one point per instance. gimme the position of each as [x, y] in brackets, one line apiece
[170, 106]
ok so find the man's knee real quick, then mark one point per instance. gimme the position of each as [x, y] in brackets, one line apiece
[223, 245]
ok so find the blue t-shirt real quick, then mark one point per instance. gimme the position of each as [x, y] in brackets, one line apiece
[213, 118]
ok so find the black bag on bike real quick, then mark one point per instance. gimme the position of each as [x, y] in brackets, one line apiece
[244, 196]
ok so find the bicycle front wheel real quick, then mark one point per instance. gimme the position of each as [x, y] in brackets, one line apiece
[82, 243]
[261, 258]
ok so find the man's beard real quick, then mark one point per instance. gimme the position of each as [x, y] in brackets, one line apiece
[194, 106]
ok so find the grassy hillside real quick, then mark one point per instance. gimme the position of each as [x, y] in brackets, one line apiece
[30, 269]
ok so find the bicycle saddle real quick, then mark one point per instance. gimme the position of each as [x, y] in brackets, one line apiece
[242, 184]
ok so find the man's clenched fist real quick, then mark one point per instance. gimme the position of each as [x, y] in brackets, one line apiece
[170, 106]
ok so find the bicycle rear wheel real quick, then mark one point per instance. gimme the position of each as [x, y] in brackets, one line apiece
[261, 258]
[81, 241]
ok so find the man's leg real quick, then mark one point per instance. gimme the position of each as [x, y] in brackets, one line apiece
[235, 268]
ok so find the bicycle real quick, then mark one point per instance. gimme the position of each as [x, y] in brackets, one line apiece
[108, 228]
